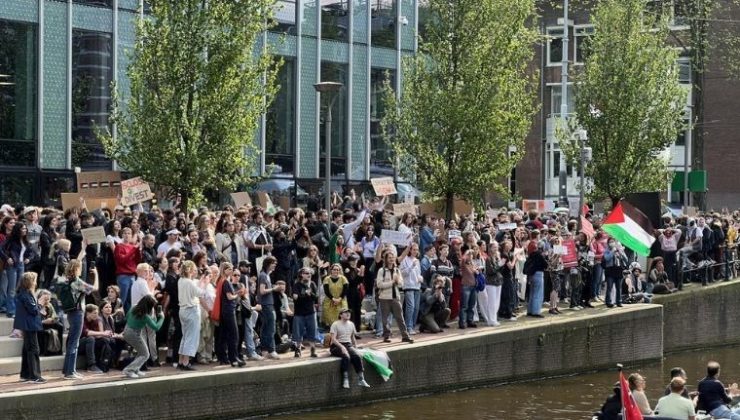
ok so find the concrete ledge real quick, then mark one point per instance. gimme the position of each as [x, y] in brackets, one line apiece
[492, 356]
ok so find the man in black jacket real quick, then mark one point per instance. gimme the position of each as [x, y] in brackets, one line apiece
[713, 397]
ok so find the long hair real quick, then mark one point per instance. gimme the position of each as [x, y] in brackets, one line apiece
[73, 270]
[145, 306]
[15, 234]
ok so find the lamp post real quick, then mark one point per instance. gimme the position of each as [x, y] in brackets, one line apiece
[563, 176]
[330, 88]
[584, 159]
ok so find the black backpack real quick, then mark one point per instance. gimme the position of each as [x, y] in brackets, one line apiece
[66, 295]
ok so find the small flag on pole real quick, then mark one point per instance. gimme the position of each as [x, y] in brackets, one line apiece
[629, 406]
[587, 228]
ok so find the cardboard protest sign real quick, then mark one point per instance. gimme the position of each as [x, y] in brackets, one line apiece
[70, 201]
[395, 237]
[437, 208]
[266, 202]
[284, 202]
[94, 235]
[135, 190]
[241, 199]
[541, 206]
[99, 184]
[384, 186]
[400, 209]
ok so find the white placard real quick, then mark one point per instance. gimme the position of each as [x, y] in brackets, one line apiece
[506, 226]
[395, 237]
[559, 250]
[452, 233]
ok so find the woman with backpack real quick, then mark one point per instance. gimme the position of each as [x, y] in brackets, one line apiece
[16, 253]
[72, 290]
[137, 318]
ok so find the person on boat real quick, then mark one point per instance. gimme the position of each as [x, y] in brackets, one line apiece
[678, 372]
[612, 408]
[674, 405]
[637, 387]
[713, 397]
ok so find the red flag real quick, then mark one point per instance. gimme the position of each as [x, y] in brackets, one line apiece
[585, 209]
[629, 406]
[587, 227]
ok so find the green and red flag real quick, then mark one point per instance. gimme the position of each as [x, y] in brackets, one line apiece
[631, 227]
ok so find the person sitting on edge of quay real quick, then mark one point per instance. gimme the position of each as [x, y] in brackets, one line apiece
[344, 345]
[292, 238]
[674, 405]
[713, 397]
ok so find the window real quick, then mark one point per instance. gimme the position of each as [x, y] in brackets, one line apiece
[556, 100]
[92, 72]
[383, 24]
[280, 125]
[381, 155]
[285, 16]
[96, 3]
[674, 9]
[335, 20]
[554, 46]
[334, 72]
[581, 41]
[555, 164]
[18, 107]
[684, 70]
[16, 188]
[425, 16]
[512, 175]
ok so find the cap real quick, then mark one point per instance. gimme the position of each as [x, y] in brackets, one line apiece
[173, 232]
[29, 209]
[344, 310]
[308, 270]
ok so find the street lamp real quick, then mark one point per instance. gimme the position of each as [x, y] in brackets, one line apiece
[585, 158]
[329, 88]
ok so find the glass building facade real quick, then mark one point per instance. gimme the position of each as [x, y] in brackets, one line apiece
[59, 57]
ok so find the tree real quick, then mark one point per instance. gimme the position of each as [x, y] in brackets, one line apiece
[468, 98]
[200, 80]
[629, 100]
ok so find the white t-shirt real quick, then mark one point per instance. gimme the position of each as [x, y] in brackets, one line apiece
[343, 331]
[139, 290]
[675, 406]
[165, 247]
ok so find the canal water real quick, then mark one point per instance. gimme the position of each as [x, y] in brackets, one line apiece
[562, 398]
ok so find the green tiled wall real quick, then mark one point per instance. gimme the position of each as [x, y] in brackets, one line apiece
[309, 22]
[55, 85]
[125, 47]
[407, 31]
[92, 18]
[128, 4]
[337, 52]
[20, 10]
[359, 20]
[283, 44]
[359, 112]
[383, 57]
[307, 140]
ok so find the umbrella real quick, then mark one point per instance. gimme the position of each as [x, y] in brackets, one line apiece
[561, 210]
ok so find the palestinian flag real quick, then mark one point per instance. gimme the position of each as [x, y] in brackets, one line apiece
[379, 360]
[631, 227]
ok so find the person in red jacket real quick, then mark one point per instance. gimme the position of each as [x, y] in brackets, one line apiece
[126, 256]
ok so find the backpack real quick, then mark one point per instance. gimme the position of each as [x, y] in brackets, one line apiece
[66, 295]
[480, 282]
[528, 268]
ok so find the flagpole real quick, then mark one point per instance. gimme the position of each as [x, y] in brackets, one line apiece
[621, 397]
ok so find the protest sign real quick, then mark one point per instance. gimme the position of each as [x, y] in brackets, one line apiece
[135, 190]
[241, 199]
[99, 184]
[266, 202]
[506, 226]
[541, 206]
[408, 198]
[453, 233]
[94, 235]
[400, 209]
[570, 258]
[559, 250]
[395, 237]
[383, 186]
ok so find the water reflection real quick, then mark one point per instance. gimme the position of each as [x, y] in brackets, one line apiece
[564, 398]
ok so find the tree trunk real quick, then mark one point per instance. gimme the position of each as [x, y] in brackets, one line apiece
[184, 200]
[449, 205]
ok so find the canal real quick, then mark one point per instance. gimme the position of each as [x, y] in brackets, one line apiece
[562, 398]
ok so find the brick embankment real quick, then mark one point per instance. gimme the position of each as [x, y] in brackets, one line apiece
[574, 342]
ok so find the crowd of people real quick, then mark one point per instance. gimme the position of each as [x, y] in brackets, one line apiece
[677, 403]
[242, 284]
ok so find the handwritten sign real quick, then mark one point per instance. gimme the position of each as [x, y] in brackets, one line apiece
[241, 199]
[492, 214]
[384, 186]
[94, 235]
[453, 233]
[72, 201]
[395, 237]
[135, 190]
[506, 226]
[559, 250]
[403, 208]
[539, 205]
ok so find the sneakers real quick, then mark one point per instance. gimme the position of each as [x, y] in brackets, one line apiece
[513, 318]
[238, 363]
[408, 340]
[345, 383]
[273, 355]
[363, 384]
[130, 374]
[38, 380]
[95, 370]
[412, 332]
[141, 374]
[297, 353]
[185, 367]
[313, 352]
[255, 357]
[387, 340]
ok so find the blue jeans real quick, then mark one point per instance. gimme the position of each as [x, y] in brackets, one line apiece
[267, 333]
[3, 288]
[596, 280]
[468, 301]
[724, 412]
[613, 282]
[14, 275]
[304, 328]
[125, 281]
[536, 293]
[411, 302]
[74, 318]
[249, 339]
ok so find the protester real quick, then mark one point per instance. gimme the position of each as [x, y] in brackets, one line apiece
[138, 317]
[28, 320]
[388, 282]
[72, 290]
[344, 346]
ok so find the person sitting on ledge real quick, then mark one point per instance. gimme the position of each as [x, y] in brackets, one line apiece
[344, 345]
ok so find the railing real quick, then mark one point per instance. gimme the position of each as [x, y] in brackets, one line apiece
[708, 270]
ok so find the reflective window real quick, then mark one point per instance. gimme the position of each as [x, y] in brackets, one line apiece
[334, 72]
[424, 18]
[335, 19]
[383, 24]
[684, 70]
[280, 125]
[581, 42]
[96, 3]
[285, 16]
[16, 189]
[554, 46]
[54, 186]
[92, 72]
[556, 100]
[381, 155]
[18, 106]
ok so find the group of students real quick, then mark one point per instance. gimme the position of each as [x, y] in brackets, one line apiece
[677, 403]
[243, 284]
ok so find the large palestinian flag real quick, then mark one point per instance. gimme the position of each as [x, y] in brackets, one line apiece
[631, 227]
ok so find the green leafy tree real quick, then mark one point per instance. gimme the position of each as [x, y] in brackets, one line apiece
[468, 98]
[629, 100]
[200, 80]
